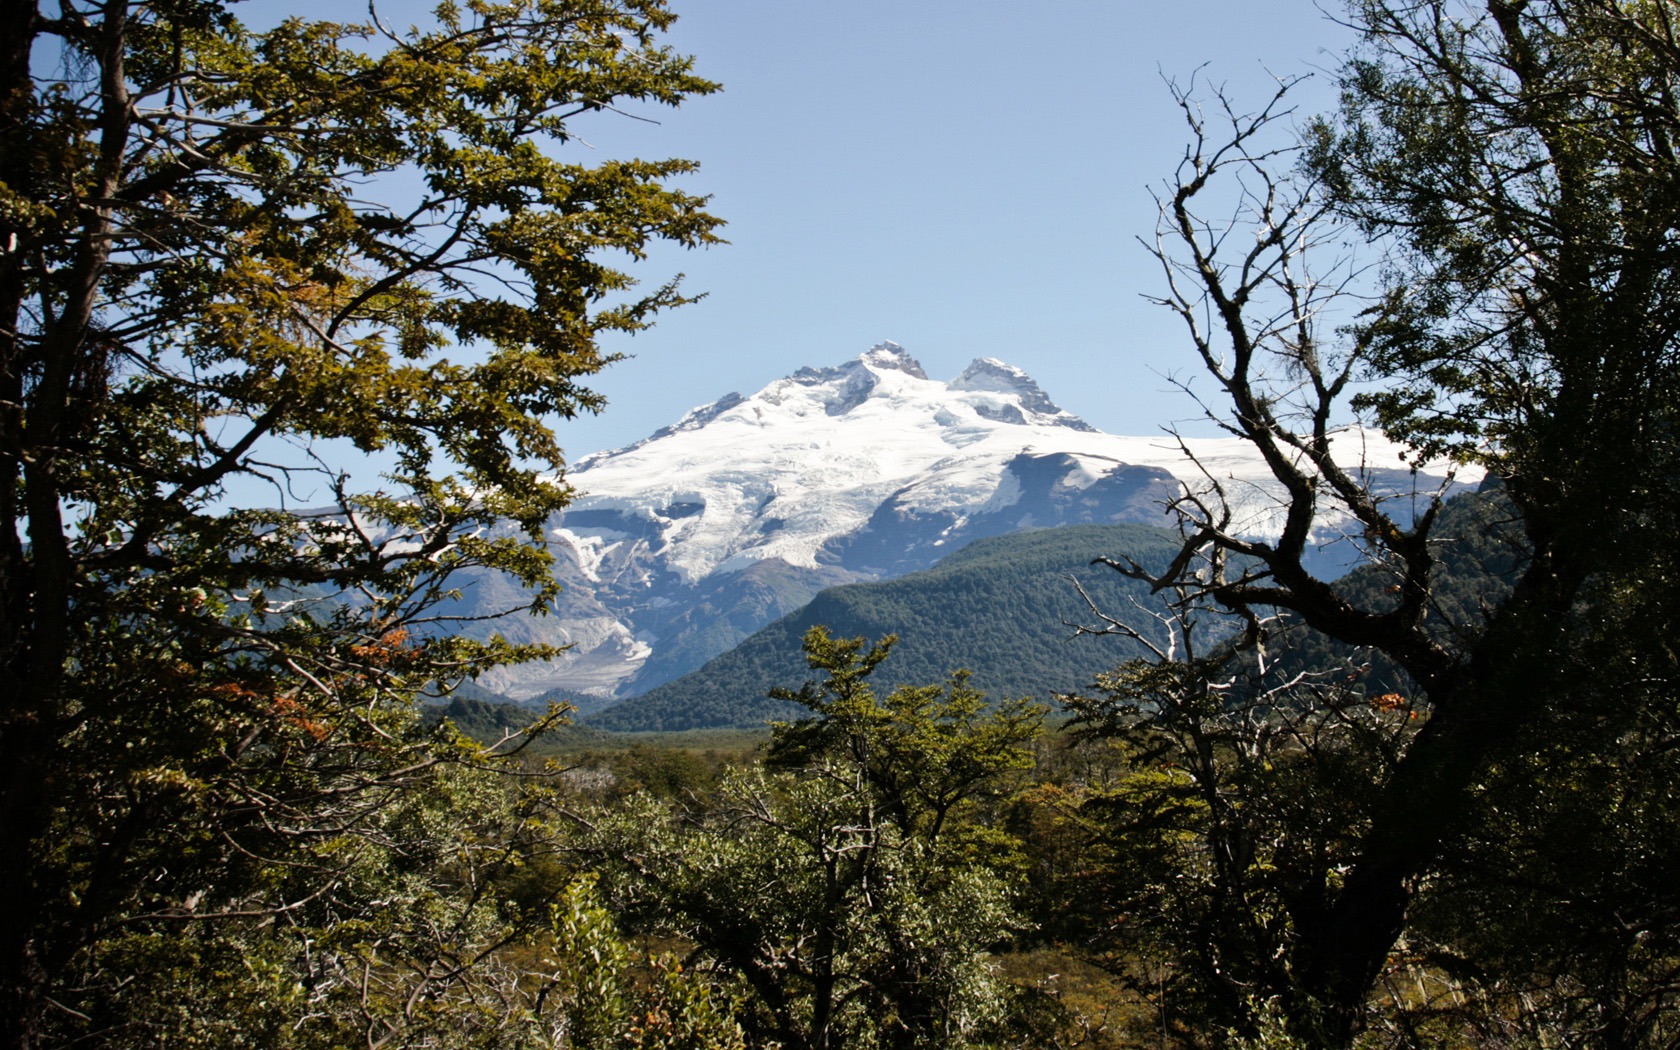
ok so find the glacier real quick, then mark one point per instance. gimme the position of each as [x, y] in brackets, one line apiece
[682, 544]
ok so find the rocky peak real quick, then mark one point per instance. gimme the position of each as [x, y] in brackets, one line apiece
[990, 375]
[890, 356]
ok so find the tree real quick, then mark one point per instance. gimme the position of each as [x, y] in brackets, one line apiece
[226, 256]
[1244, 789]
[848, 887]
[1514, 166]
[1555, 914]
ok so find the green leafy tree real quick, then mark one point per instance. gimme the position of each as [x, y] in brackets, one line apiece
[1513, 165]
[925, 751]
[852, 887]
[228, 255]
[418, 926]
[606, 1003]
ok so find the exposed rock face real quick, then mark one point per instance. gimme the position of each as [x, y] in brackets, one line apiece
[990, 374]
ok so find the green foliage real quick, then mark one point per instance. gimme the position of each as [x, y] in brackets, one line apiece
[924, 750]
[502, 725]
[230, 253]
[1521, 160]
[853, 889]
[1000, 607]
[1520, 157]
[1511, 165]
[672, 773]
[1555, 917]
[609, 1006]
[843, 930]
[1243, 795]
[1241, 798]
[371, 946]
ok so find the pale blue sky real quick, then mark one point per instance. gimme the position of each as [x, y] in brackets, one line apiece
[968, 179]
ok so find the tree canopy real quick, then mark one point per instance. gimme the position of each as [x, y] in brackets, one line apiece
[224, 251]
[1512, 166]
[849, 886]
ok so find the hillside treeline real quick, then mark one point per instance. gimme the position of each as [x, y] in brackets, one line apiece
[1006, 608]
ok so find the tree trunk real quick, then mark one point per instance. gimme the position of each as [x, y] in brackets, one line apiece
[1341, 957]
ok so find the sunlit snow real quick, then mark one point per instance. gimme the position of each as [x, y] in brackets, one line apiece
[850, 473]
[817, 455]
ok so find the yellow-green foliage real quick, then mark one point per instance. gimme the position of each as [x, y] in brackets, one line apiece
[227, 249]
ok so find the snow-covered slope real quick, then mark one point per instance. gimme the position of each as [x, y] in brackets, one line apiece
[686, 542]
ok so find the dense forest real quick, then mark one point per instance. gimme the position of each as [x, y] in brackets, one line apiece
[1425, 804]
[1001, 608]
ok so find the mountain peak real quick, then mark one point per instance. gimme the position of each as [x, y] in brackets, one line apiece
[739, 512]
[889, 355]
[994, 376]
[885, 356]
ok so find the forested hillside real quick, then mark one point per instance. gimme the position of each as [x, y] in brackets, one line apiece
[1002, 608]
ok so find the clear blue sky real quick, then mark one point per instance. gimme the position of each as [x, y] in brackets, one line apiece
[966, 178]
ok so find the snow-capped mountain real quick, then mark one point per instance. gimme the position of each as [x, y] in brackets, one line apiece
[684, 543]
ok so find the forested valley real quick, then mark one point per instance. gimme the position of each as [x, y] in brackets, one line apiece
[1429, 803]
